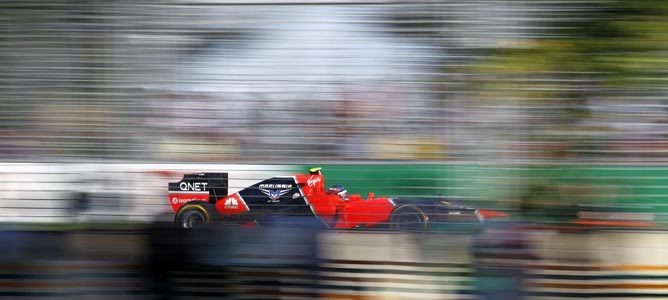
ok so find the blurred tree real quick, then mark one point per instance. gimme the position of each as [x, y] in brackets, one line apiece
[610, 47]
[623, 42]
[537, 92]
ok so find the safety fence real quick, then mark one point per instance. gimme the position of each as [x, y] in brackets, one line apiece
[287, 80]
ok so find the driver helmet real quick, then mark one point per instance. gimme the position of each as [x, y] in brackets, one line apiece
[338, 189]
[315, 171]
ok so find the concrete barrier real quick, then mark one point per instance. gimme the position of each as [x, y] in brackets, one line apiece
[347, 265]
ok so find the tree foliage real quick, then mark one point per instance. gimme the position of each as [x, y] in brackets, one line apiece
[622, 43]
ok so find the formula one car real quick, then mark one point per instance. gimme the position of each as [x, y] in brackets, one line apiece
[201, 199]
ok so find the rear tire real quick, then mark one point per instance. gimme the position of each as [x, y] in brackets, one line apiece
[408, 218]
[197, 214]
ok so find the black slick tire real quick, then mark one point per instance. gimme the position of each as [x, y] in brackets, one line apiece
[196, 214]
[408, 218]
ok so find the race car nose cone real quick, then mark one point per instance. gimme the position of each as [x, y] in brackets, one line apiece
[487, 214]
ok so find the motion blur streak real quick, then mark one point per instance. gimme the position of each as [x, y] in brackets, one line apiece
[299, 263]
[550, 114]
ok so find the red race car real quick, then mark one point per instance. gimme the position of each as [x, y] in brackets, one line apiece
[201, 199]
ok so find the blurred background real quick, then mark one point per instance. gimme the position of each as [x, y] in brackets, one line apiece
[554, 111]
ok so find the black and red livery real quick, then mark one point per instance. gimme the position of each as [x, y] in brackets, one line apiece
[203, 198]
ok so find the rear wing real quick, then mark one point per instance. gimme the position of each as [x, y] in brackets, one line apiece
[209, 186]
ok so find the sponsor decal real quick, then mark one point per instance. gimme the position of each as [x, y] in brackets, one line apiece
[313, 181]
[454, 213]
[177, 200]
[296, 195]
[231, 203]
[275, 186]
[274, 194]
[193, 186]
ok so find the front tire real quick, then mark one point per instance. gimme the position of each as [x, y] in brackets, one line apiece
[193, 215]
[408, 218]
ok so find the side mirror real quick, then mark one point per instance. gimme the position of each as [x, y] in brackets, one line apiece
[370, 196]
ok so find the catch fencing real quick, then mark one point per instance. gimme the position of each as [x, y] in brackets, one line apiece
[274, 80]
